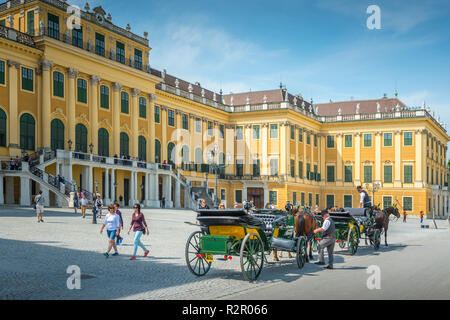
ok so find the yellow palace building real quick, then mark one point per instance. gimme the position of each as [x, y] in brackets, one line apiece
[76, 100]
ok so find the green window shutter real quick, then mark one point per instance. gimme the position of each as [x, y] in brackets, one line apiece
[82, 90]
[81, 138]
[330, 200]
[308, 171]
[157, 114]
[142, 146]
[308, 138]
[388, 139]
[27, 79]
[99, 44]
[300, 169]
[408, 139]
[57, 135]
[27, 132]
[2, 72]
[300, 135]
[367, 140]
[310, 200]
[292, 168]
[3, 122]
[256, 132]
[138, 59]
[103, 142]
[294, 198]
[58, 84]
[53, 26]
[387, 202]
[387, 174]
[221, 131]
[104, 97]
[77, 37]
[348, 201]
[239, 133]
[317, 200]
[273, 131]
[238, 196]
[330, 141]
[185, 121]
[120, 52]
[368, 174]
[210, 128]
[142, 107]
[157, 151]
[348, 173]
[124, 144]
[315, 140]
[30, 22]
[348, 141]
[302, 199]
[330, 173]
[171, 118]
[124, 102]
[407, 204]
[292, 133]
[273, 197]
[408, 174]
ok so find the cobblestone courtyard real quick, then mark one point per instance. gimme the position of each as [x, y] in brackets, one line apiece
[34, 259]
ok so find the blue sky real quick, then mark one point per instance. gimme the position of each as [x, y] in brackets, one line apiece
[321, 49]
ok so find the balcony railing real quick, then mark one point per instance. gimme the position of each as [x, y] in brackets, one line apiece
[14, 35]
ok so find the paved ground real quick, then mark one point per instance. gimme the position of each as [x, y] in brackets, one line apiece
[34, 258]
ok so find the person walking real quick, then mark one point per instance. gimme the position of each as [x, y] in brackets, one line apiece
[421, 217]
[328, 240]
[119, 239]
[98, 206]
[84, 203]
[75, 202]
[163, 202]
[140, 228]
[39, 200]
[112, 224]
[404, 216]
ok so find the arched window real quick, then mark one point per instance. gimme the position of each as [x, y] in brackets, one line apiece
[57, 134]
[142, 148]
[103, 142]
[80, 138]
[171, 153]
[185, 154]
[124, 144]
[2, 128]
[27, 132]
[157, 151]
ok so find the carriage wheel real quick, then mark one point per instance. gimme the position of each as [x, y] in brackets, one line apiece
[301, 252]
[195, 262]
[252, 256]
[353, 240]
[376, 239]
[342, 244]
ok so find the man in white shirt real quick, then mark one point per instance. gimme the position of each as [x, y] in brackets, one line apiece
[328, 240]
[40, 200]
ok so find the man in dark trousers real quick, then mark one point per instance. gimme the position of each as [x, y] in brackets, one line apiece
[365, 199]
[328, 240]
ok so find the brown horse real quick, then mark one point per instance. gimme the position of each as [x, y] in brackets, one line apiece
[382, 220]
[304, 226]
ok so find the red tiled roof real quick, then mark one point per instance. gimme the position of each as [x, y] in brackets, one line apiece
[365, 106]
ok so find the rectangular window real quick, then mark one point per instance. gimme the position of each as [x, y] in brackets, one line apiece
[210, 128]
[308, 171]
[292, 132]
[387, 174]
[30, 22]
[77, 37]
[300, 169]
[58, 84]
[256, 168]
[315, 140]
[100, 44]
[125, 102]
[317, 199]
[273, 131]
[316, 174]
[238, 196]
[408, 203]
[239, 168]
[138, 59]
[348, 174]
[120, 52]
[104, 97]
[368, 174]
[302, 199]
[387, 202]
[142, 107]
[310, 200]
[308, 138]
[367, 140]
[53, 26]
[256, 132]
[82, 90]
[348, 141]
[2, 72]
[221, 131]
[157, 114]
[273, 197]
[198, 125]
[274, 167]
[408, 139]
[239, 133]
[330, 141]
[294, 198]
[408, 174]
[300, 134]
[388, 139]
[348, 201]
[330, 200]
[292, 168]
[185, 121]
[27, 79]
[171, 118]
[330, 173]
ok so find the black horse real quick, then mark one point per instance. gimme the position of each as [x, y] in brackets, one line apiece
[382, 220]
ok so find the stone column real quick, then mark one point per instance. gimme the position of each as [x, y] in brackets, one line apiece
[151, 130]
[90, 186]
[304, 154]
[25, 196]
[322, 158]
[46, 102]
[154, 190]
[112, 187]
[132, 188]
[167, 190]
[71, 97]
[248, 150]
[357, 158]
[147, 195]
[378, 135]
[46, 194]
[116, 118]
[9, 190]
[192, 140]
[296, 133]
[178, 146]
[107, 189]
[134, 121]
[398, 159]
[93, 112]
[2, 198]
[264, 150]
[205, 139]
[14, 141]
[177, 194]
[339, 167]
[284, 152]
[164, 124]
[420, 159]
[230, 146]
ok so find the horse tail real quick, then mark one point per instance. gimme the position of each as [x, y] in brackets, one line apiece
[300, 225]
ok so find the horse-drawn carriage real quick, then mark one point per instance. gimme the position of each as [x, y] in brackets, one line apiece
[235, 233]
[351, 225]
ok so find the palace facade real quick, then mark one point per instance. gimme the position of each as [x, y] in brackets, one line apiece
[78, 99]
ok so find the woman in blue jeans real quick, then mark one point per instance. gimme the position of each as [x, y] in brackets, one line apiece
[139, 227]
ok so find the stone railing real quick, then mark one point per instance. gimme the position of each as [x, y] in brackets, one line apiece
[16, 36]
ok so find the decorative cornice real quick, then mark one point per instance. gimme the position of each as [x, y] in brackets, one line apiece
[95, 80]
[357, 134]
[72, 73]
[152, 97]
[105, 123]
[178, 112]
[135, 92]
[398, 132]
[378, 133]
[83, 118]
[12, 63]
[230, 126]
[46, 65]
[205, 119]
[58, 113]
[116, 86]
[164, 108]
[191, 115]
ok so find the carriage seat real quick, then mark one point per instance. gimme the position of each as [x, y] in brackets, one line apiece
[359, 212]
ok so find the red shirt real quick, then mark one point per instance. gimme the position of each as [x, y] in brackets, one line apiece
[138, 223]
